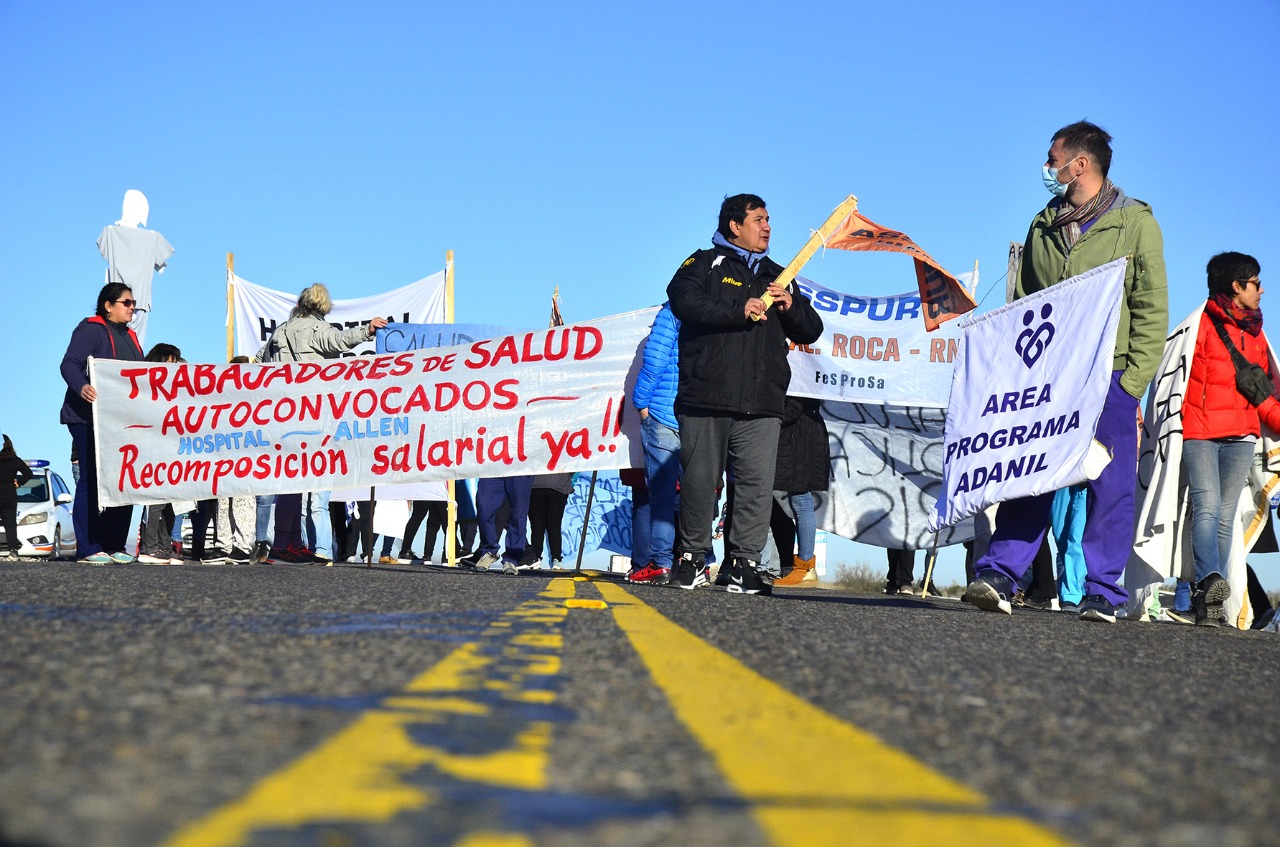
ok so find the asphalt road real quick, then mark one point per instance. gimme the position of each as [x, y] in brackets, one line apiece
[295, 705]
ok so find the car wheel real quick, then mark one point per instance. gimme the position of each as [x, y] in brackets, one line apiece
[56, 552]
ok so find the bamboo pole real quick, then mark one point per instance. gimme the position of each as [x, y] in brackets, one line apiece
[231, 307]
[930, 559]
[451, 530]
[586, 523]
[819, 238]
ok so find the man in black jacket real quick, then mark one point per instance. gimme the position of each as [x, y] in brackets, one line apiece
[734, 324]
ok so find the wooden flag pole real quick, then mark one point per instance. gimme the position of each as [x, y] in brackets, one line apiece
[451, 533]
[819, 238]
[231, 307]
[930, 559]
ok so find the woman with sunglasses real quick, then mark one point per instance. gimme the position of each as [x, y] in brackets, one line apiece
[100, 535]
[1221, 421]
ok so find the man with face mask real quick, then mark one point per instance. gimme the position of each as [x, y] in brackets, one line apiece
[1088, 223]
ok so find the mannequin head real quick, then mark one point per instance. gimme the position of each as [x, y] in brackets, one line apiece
[134, 210]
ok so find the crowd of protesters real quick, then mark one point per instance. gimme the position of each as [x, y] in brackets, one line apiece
[717, 421]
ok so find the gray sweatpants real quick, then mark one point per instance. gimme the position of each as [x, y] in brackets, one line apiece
[706, 442]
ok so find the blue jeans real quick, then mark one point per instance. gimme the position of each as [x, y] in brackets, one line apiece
[662, 474]
[316, 528]
[1215, 472]
[489, 496]
[265, 524]
[806, 525]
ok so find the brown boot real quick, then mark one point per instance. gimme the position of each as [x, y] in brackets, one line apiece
[801, 572]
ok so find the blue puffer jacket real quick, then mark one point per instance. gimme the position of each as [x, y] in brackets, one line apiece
[659, 377]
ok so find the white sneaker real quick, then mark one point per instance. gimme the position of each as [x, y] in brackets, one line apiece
[148, 559]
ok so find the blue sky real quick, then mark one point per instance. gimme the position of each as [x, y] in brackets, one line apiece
[588, 145]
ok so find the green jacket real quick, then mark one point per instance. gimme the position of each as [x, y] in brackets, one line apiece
[1126, 229]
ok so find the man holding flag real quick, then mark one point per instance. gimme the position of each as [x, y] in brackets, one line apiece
[732, 387]
[1088, 223]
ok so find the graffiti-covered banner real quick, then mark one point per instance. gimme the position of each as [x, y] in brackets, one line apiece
[537, 402]
[886, 473]
[873, 350]
[257, 310]
[1028, 389]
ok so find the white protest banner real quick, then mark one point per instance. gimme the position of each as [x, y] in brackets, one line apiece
[259, 310]
[874, 350]
[539, 402]
[886, 473]
[1028, 389]
[397, 338]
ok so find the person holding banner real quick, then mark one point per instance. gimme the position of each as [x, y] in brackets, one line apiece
[306, 337]
[1088, 223]
[101, 535]
[1228, 390]
[732, 387]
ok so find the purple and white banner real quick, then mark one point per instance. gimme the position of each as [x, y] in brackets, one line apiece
[1028, 388]
[537, 402]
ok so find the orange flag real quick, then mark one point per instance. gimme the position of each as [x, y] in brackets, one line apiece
[941, 294]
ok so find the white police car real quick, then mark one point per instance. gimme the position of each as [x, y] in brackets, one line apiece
[44, 515]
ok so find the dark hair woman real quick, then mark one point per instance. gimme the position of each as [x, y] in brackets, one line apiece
[13, 472]
[1220, 421]
[100, 535]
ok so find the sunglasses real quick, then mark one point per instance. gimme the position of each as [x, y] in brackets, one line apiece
[128, 303]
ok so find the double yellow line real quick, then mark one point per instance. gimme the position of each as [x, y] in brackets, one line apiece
[818, 780]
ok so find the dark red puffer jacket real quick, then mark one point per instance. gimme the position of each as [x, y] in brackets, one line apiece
[1213, 408]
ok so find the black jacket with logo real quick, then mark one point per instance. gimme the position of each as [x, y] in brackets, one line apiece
[729, 364]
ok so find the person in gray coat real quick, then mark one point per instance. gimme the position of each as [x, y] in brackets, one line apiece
[307, 337]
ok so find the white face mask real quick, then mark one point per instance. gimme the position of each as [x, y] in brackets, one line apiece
[1051, 184]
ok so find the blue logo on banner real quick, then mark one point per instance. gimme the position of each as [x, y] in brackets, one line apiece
[1032, 343]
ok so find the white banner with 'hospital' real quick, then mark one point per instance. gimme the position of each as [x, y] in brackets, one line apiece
[1028, 388]
[259, 310]
[532, 403]
[874, 350]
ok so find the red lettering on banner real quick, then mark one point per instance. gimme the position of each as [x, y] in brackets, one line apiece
[129, 454]
[417, 400]
[172, 420]
[380, 463]
[132, 375]
[443, 405]
[403, 365]
[253, 378]
[527, 354]
[506, 350]
[386, 395]
[338, 403]
[438, 455]
[205, 380]
[357, 368]
[306, 371]
[556, 355]
[581, 350]
[378, 368]
[468, 396]
[440, 363]
[572, 443]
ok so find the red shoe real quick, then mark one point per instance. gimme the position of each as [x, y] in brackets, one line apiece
[650, 574]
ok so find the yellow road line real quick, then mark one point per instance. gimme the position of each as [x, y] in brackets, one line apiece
[358, 776]
[810, 777]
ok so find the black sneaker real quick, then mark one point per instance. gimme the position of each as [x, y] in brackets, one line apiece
[238, 557]
[745, 577]
[213, 557]
[690, 571]
[992, 592]
[1207, 599]
[261, 552]
[1095, 607]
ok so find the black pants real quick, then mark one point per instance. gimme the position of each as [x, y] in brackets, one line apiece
[546, 513]
[9, 517]
[783, 527]
[421, 509]
[902, 565]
